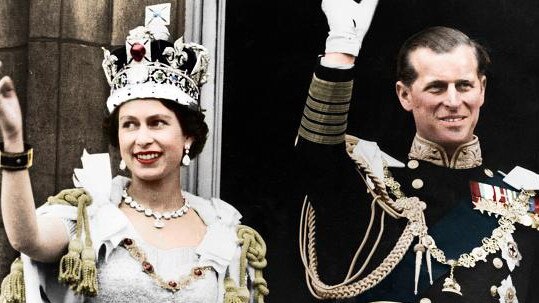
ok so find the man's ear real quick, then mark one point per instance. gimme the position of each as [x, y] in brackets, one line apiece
[483, 80]
[404, 94]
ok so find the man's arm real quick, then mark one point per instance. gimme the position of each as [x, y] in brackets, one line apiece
[325, 170]
[325, 115]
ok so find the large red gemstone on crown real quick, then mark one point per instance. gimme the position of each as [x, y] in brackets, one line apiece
[137, 51]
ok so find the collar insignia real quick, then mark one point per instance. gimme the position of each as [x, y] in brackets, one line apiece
[468, 155]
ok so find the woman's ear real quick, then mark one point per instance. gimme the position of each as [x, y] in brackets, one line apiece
[188, 142]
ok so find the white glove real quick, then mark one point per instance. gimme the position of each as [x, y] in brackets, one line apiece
[348, 23]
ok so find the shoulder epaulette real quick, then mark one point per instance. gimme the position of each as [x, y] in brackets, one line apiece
[77, 267]
[253, 253]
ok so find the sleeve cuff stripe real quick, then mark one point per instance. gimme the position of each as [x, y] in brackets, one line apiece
[340, 122]
[323, 130]
[332, 85]
[328, 140]
[332, 97]
[325, 111]
[329, 102]
[323, 118]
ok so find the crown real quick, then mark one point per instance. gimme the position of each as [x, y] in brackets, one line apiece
[149, 66]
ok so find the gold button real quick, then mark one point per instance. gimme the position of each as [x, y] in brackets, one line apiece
[489, 173]
[417, 183]
[494, 291]
[497, 262]
[425, 300]
[413, 164]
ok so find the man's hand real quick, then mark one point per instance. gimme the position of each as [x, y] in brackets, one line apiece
[348, 23]
[10, 115]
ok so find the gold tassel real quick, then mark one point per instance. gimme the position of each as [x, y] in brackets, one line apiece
[261, 286]
[70, 264]
[419, 249]
[235, 294]
[429, 266]
[88, 284]
[12, 289]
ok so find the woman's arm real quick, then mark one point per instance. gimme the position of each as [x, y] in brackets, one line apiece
[42, 239]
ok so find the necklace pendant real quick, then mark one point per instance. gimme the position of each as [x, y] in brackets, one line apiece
[159, 224]
[450, 284]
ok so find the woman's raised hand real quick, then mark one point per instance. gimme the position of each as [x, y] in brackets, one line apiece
[10, 112]
[348, 22]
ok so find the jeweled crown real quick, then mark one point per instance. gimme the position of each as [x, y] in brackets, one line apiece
[149, 66]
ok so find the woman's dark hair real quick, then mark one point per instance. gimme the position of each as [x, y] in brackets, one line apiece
[191, 122]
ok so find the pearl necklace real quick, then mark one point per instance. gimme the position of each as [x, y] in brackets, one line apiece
[159, 223]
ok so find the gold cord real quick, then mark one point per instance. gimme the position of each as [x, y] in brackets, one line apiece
[77, 267]
[351, 286]
[253, 252]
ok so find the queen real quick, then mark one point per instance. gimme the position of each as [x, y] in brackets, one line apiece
[137, 239]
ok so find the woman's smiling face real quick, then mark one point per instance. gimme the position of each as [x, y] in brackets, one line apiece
[151, 139]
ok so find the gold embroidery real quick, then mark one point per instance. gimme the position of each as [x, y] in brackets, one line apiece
[467, 155]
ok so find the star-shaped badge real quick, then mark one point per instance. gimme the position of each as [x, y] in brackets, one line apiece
[510, 252]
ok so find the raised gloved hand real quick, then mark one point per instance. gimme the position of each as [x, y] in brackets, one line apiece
[348, 23]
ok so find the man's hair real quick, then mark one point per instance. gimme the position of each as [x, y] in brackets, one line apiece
[440, 40]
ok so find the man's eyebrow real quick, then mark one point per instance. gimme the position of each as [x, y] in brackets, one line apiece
[435, 83]
[464, 81]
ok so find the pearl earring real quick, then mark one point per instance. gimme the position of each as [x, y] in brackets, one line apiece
[186, 160]
[122, 165]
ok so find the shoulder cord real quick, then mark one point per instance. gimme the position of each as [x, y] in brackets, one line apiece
[253, 252]
[79, 275]
[77, 267]
[350, 287]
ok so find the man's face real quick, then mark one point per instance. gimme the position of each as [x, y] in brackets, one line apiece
[446, 96]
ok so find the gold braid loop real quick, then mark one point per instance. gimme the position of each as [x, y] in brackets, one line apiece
[253, 251]
[349, 288]
[73, 197]
[352, 285]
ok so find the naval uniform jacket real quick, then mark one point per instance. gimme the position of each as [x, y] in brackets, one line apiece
[343, 209]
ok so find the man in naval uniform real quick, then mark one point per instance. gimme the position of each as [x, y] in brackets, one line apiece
[443, 227]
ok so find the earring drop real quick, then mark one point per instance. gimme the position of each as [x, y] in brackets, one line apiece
[122, 165]
[186, 160]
